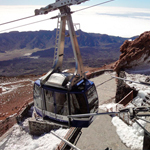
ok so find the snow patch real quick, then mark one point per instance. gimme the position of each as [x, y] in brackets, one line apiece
[21, 139]
[27, 54]
[5, 89]
[13, 87]
[132, 136]
[35, 57]
[111, 107]
[142, 62]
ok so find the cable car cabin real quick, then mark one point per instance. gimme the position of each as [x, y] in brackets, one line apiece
[59, 94]
[55, 104]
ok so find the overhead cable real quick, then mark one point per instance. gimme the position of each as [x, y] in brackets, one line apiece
[48, 18]
[17, 20]
[92, 6]
[25, 25]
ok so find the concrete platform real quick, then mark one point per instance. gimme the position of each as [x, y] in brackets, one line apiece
[101, 134]
[106, 87]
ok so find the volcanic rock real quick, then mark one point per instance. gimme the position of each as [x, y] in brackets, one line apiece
[123, 89]
[135, 54]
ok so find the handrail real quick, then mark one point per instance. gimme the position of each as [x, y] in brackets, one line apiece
[70, 144]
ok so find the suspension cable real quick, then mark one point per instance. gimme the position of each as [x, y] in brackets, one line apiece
[93, 6]
[48, 18]
[17, 20]
[25, 25]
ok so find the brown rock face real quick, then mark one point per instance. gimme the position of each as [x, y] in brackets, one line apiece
[134, 53]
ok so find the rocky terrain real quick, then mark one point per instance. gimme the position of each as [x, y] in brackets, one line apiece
[15, 93]
[135, 54]
[134, 59]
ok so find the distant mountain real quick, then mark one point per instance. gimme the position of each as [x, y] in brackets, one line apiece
[96, 50]
[28, 40]
[46, 39]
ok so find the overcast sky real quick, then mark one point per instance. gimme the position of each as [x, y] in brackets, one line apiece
[125, 18]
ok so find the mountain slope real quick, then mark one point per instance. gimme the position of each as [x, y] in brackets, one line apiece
[46, 39]
[32, 52]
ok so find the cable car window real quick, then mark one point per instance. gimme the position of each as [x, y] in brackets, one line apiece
[49, 101]
[82, 103]
[37, 96]
[75, 109]
[61, 103]
[92, 99]
[58, 103]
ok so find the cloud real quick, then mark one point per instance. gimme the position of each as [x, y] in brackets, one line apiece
[9, 13]
[136, 15]
[117, 21]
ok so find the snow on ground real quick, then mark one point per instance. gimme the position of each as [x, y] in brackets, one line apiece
[132, 136]
[143, 97]
[18, 81]
[14, 85]
[111, 107]
[137, 78]
[20, 139]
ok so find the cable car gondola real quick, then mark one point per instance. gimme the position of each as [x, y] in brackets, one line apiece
[55, 104]
[59, 94]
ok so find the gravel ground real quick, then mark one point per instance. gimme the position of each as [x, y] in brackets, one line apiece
[15, 93]
[101, 134]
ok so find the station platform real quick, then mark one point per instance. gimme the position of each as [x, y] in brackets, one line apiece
[101, 134]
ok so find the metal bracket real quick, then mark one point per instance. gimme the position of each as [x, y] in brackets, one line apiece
[57, 5]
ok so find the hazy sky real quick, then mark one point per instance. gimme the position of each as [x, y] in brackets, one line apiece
[116, 3]
[123, 18]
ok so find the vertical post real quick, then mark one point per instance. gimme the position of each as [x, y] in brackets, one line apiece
[58, 56]
[59, 52]
[79, 73]
[79, 69]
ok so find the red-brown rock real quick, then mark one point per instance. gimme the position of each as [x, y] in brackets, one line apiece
[134, 53]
